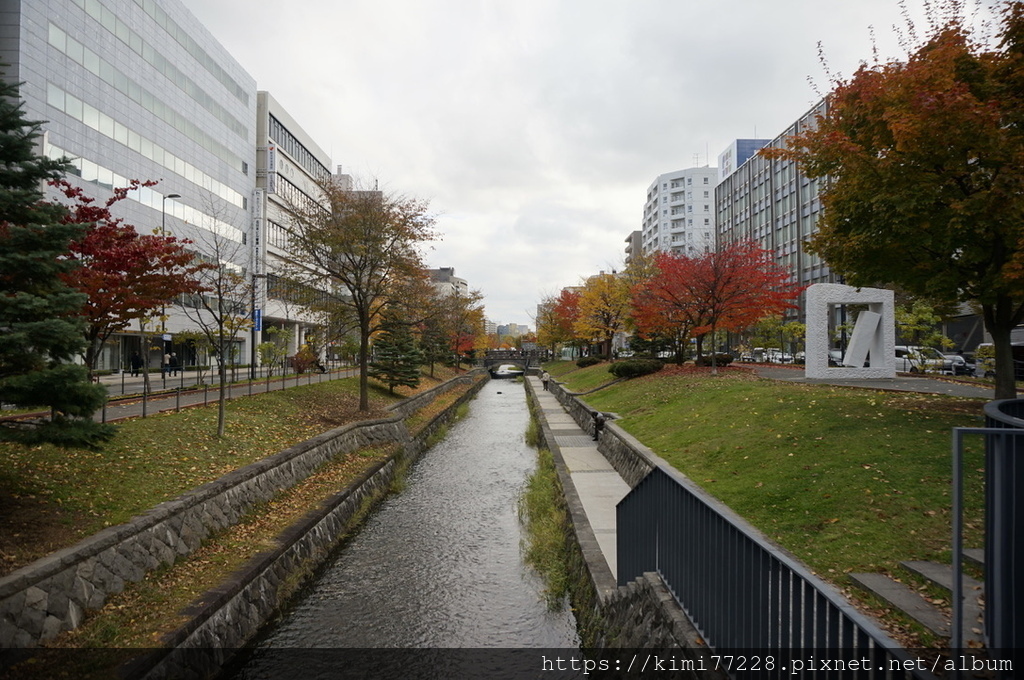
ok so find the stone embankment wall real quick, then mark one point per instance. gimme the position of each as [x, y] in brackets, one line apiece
[631, 459]
[51, 595]
[642, 614]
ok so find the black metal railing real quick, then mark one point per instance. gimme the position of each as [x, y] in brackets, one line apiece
[741, 591]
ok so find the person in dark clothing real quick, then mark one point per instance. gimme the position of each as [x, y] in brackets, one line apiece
[598, 424]
[136, 364]
[173, 364]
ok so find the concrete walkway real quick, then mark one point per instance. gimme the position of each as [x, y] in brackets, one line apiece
[597, 484]
[599, 487]
[183, 393]
[903, 382]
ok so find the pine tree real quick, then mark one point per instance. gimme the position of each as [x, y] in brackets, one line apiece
[41, 330]
[434, 345]
[396, 358]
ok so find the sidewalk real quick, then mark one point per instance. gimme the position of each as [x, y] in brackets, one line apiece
[901, 383]
[596, 483]
[189, 394]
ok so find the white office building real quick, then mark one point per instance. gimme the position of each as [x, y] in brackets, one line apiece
[139, 89]
[290, 169]
[679, 214]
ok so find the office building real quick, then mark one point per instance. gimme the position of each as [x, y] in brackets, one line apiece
[139, 89]
[775, 204]
[679, 212]
[290, 168]
[447, 284]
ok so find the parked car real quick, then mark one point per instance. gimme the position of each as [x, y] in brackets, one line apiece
[961, 364]
[914, 359]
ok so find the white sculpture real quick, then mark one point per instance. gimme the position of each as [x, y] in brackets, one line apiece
[873, 339]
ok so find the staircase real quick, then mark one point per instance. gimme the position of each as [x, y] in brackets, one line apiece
[914, 605]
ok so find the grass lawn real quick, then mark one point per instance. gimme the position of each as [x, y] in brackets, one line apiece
[846, 479]
[62, 496]
[53, 497]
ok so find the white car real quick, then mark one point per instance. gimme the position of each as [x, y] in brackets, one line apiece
[914, 359]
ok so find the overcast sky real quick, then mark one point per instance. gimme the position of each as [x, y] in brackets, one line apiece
[534, 127]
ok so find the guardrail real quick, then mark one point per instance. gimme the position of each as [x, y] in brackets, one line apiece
[740, 590]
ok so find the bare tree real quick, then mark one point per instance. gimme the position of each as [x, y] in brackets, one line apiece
[221, 311]
[353, 251]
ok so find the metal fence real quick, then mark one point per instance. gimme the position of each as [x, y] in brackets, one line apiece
[740, 590]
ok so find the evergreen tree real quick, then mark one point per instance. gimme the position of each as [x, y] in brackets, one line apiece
[396, 358]
[41, 330]
[434, 345]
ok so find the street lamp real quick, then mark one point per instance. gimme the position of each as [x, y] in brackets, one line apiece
[163, 212]
[163, 308]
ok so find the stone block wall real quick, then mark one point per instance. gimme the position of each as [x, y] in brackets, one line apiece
[642, 614]
[52, 594]
[226, 619]
[631, 459]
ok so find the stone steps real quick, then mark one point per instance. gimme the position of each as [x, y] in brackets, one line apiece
[975, 556]
[905, 599]
[914, 605]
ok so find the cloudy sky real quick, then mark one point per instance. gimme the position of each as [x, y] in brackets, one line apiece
[534, 127]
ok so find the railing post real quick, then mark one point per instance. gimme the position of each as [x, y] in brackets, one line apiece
[1004, 524]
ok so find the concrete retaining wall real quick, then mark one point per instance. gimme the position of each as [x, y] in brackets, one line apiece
[225, 619]
[52, 594]
[631, 459]
[642, 614]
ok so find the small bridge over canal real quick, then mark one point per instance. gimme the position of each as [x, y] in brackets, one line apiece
[523, 359]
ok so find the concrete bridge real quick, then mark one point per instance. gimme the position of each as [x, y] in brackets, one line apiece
[530, 359]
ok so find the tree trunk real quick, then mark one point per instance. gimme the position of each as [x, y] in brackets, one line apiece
[222, 405]
[364, 366]
[714, 353]
[222, 374]
[1000, 320]
[92, 352]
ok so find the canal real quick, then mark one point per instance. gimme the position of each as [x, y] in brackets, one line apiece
[439, 564]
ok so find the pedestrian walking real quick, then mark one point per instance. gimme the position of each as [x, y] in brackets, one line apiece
[173, 363]
[544, 377]
[167, 364]
[136, 364]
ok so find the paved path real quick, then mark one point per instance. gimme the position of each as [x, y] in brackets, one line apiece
[901, 383]
[189, 394]
[598, 485]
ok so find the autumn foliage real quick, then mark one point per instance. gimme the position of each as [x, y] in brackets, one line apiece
[125, 275]
[924, 160]
[729, 289]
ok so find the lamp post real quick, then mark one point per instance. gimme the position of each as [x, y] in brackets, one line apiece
[257, 324]
[163, 308]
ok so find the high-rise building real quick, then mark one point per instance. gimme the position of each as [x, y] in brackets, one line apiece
[446, 283]
[737, 154]
[290, 167]
[139, 89]
[634, 245]
[775, 204]
[679, 214]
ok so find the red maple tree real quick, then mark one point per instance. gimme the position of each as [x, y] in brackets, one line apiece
[728, 289]
[126, 275]
[565, 313]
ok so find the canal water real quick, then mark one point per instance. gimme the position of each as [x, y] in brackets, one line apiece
[438, 565]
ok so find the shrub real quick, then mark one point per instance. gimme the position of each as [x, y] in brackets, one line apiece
[634, 368]
[721, 359]
[588, 361]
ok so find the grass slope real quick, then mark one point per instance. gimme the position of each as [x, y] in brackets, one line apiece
[846, 479]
